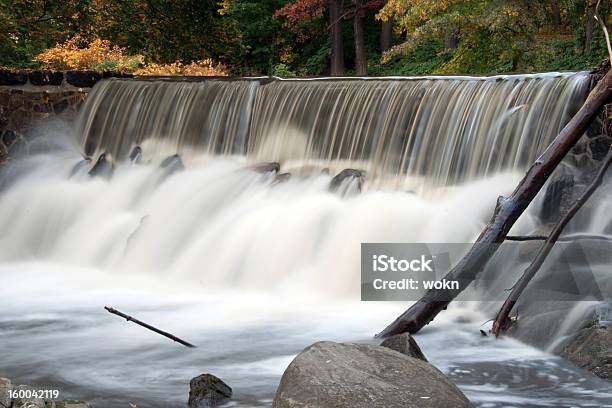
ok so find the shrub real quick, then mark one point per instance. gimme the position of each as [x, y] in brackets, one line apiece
[282, 70]
[205, 67]
[98, 55]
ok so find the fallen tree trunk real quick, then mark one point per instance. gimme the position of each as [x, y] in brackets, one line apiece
[507, 211]
[502, 320]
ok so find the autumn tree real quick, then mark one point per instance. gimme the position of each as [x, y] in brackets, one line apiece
[166, 31]
[305, 10]
[29, 26]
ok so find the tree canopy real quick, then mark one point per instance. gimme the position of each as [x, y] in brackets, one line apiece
[316, 37]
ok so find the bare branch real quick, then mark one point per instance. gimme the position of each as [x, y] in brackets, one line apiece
[148, 326]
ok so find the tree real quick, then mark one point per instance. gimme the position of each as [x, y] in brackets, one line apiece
[166, 31]
[556, 12]
[337, 45]
[259, 41]
[306, 10]
[361, 64]
[589, 25]
[386, 35]
[29, 26]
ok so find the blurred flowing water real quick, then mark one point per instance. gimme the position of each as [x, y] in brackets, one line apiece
[250, 270]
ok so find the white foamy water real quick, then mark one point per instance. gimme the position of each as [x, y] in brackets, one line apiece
[249, 271]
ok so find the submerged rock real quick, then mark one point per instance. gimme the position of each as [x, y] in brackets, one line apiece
[328, 374]
[135, 155]
[347, 181]
[206, 390]
[591, 349]
[102, 168]
[282, 178]
[405, 344]
[80, 167]
[263, 168]
[172, 164]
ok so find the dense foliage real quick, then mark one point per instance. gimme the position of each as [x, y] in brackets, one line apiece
[295, 37]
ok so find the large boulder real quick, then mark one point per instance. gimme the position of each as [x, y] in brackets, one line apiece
[328, 374]
[206, 391]
[591, 349]
[405, 344]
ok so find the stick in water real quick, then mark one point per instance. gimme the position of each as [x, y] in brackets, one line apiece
[148, 326]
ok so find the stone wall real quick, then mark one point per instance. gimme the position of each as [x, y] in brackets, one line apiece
[29, 99]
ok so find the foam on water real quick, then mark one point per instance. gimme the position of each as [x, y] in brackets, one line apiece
[250, 271]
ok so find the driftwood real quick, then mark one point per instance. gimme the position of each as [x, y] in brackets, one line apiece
[502, 321]
[148, 326]
[507, 211]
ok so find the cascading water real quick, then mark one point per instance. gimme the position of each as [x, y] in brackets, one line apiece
[447, 129]
[252, 270]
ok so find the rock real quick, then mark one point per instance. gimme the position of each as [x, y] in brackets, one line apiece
[74, 404]
[80, 166]
[281, 178]
[5, 386]
[264, 168]
[114, 74]
[599, 148]
[135, 155]
[591, 349]
[13, 78]
[40, 78]
[206, 390]
[347, 181]
[172, 164]
[328, 374]
[9, 137]
[559, 187]
[405, 344]
[539, 329]
[27, 403]
[61, 106]
[102, 168]
[83, 79]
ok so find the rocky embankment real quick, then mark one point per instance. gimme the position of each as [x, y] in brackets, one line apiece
[30, 99]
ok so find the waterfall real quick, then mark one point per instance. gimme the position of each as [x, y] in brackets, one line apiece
[252, 268]
[445, 129]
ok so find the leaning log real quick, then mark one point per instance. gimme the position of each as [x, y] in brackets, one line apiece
[502, 320]
[506, 213]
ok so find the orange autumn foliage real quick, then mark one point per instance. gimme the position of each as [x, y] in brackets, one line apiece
[205, 67]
